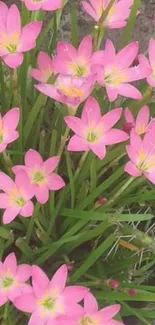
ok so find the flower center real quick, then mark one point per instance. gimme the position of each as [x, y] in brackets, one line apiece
[10, 43]
[1, 138]
[87, 321]
[48, 303]
[91, 137]
[115, 77]
[80, 70]
[145, 162]
[71, 91]
[38, 177]
[7, 282]
[20, 201]
[140, 128]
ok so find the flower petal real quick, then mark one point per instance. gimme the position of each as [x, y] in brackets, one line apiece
[51, 163]
[11, 119]
[10, 214]
[85, 47]
[75, 293]
[29, 34]
[4, 201]
[130, 91]
[75, 124]
[115, 136]
[143, 116]
[40, 281]
[109, 312]
[98, 148]
[110, 118]
[58, 281]
[90, 303]
[13, 21]
[77, 144]
[10, 264]
[24, 272]
[42, 194]
[55, 182]
[3, 298]
[33, 158]
[13, 60]
[6, 183]
[27, 210]
[24, 186]
[128, 116]
[127, 55]
[152, 52]
[26, 302]
[132, 170]
[91, 111]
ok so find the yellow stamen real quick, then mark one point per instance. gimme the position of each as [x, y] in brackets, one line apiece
[71, 91]
[141, 128]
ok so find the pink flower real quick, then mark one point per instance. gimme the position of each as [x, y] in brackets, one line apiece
[71, 91]
[50, 299]
[47, 5]
[117, 15]
[93, 131]
[115, 74]
[8, 125]
[141, 124]
[40, 174]
[151, 77]
[15, 40]
[73, 62]
[142, 155]
[13, 278]
[91, 314]
[45, 68]
[16, 196]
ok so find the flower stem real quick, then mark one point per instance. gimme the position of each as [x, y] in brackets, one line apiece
[119, 192]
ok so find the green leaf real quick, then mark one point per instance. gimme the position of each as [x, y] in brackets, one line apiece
[92, 258]
[74, 25]
[122, 296]
[128, 30]
[97, 216]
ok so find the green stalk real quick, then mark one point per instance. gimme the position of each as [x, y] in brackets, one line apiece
[2, 87]
[119, 192]
[32, 222]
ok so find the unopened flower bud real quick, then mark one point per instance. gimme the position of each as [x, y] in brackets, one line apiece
[114, 284]
[102, 200]
[131, 292]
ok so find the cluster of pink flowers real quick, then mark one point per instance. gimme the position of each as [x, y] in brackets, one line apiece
[50, 301]
[35, 178]
[141, 150]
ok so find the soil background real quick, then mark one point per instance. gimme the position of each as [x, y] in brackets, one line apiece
[144, 30]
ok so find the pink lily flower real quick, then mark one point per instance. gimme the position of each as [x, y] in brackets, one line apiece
[16, 197]
[45, 68]
[142, 155]
[117, 15]
[13, 278]
[68, 90]
[141, 124]
[115, 73]
[46, 5]
[92, 315]
[151, 77]
[50, 298]
[93, 131]
[14, 40]
[8, 125]
[40, 174]
[72, 61]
